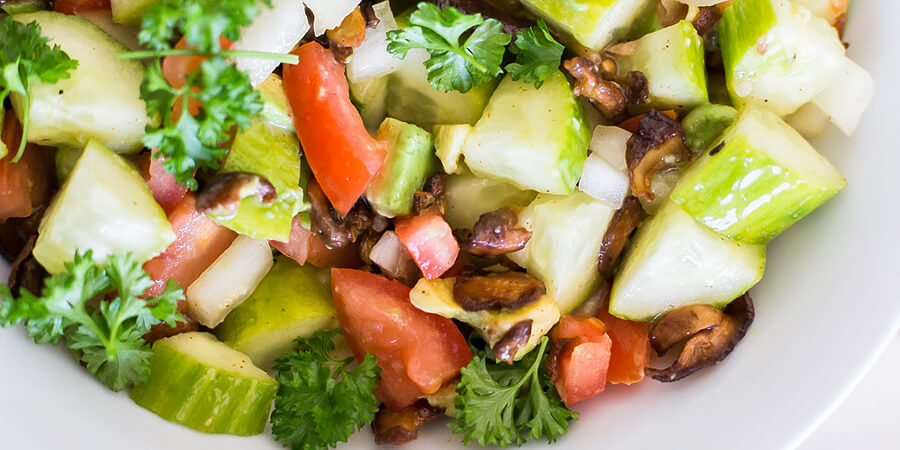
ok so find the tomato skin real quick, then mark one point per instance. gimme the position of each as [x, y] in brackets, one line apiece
[342, 155]
[305, 247]
[583, 358]
[430, 241]
[198, 242]
[27, 183]
[165, 190]
[417, 351]
[72, 7]
[630, 348]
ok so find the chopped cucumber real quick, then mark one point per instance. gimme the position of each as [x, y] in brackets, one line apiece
[468, 196]
[567, 233]
[449, 141]
[761, 180]
[534, 138]
[276, 109]
[704, 125]
[591, 23]
[291, 302]
[129, 12]
[273, 153]
[436, 297]
[100, 100]
[846, 99]
[23, 6]
[776, 54]
[65, 160]
[201, 383]
[370, 98]
[104, 206]
[409, 162]
[675, 65]
[675, 261]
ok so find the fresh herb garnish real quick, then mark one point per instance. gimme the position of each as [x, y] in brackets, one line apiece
[502, 404]
[107, 333]
[320, 402]
[537, 55]
[460, 59]
[27, 57]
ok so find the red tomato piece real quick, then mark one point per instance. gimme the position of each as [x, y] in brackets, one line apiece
[630, 348]
[342, 155]
[177, 68]
[198, 242]
[430, 241]
[72, 7]
[27, 183]
[165, 190]
[582, 360]
[417, 351]
[305, 247]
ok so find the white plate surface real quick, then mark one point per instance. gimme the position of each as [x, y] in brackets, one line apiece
[825, 309]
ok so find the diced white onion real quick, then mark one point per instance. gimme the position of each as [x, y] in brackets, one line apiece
[371, 59]
[604, 183]
[329, 13]
[276, 30]
[845, 100]
[390, 255]
[609, 143]
[229, 280]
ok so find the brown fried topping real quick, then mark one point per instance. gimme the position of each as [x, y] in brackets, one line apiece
[430, 200]
[705, 22]
[607, 96]
[351, 32]
[496, 233]
[324, 219]
[224, 193]
[506, 290]
[26, 272]
[636, 86]
[368, 13]
[401, 427]
[623, 223]
[657, 145]
[515, 338]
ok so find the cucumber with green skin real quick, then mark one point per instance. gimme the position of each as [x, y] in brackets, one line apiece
[448, 145]
[533, 138]
[100, 101]
[409, 162]
[760, 179]
[468, 196]
[591, 23]
[104, 206]
[292, 301]
[129, 12]
[675, 261]
[201, 383]
[674, 62]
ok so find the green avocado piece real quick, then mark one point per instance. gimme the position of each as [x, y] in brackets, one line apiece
[409, 162]
[292, 301]
[759, 179]
[704, 125]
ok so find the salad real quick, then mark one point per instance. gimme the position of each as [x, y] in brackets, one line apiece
[330, 215]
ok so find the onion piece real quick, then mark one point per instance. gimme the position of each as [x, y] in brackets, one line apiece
[810, 121]
[371, 59]
[276, 30]
[609, 143]
[845, 100]
[391, 256]
[329, 13]
[603, 182]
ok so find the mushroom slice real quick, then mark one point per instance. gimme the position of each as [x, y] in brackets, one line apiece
[656, 146]
[609, 97]
[26, 272]
[400, 427]
[506, 290]
[514, 340]
[623, 223]
[683, 323]
[223, 195]
[704, 346]
[496, 233]
[324, 219]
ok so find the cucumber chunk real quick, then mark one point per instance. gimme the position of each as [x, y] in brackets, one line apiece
[591, 23]
[675, 65]
[567, 233]
[129, 12]
[104, 206]
[534, 138]
[675, 261]
[763, 179]
[100, 100]
[291, 302]
[467, 197]
[65, 160]
[370, 98]
[449, 141]
[409, 162]
[201, 383]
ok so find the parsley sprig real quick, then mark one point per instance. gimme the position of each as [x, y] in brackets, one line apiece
[502, 404]
[320, 402]
[27, 57]
[107, 333]
[537, 55]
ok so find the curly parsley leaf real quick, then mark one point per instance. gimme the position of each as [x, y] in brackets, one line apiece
[320, 402]
[458, 61]
[26, 56]
[537, 55]
[501, 404]
[201, 22]
[109, 335]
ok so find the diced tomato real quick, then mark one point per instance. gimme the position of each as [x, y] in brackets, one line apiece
[177, 68]
[27, 183]
[342, 155]
[430, 241]
[630, 348]
[631, 124]
[198, 242]
[581, 360]
[304, 246]
[72, 7]
[165, 190]
[417, 351]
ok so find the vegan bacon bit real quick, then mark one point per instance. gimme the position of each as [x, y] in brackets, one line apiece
[508, 346]
[609, 97]
[623, 223]
[496, 233]
[507, 290]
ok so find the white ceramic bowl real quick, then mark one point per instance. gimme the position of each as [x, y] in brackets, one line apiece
[825, 309]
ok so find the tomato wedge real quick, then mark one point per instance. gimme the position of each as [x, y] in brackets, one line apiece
[342, 155]
[630, 348]
[305, 247]
[417, 351]
[162, 184]
[430, 241]
[580, 358]
[27, 183]
[72, 7]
